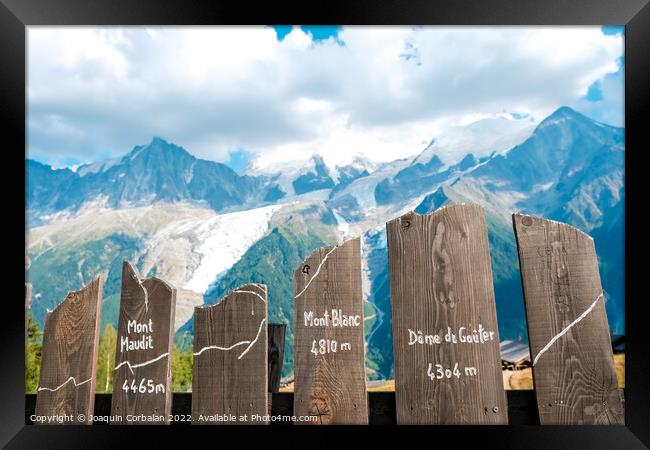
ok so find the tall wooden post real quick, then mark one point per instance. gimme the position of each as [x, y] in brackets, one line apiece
[230, 380]
[329, 361]
[66, 390]
[142, 388]
[445, 336]
[573, 365]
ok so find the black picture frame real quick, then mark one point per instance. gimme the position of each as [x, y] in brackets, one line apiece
[15, 15]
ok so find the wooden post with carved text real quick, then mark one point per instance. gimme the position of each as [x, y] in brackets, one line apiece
[66, 389]
[276, 354]
[329, 354]
[445, 336]
[142, 387]
[230, 378]
[573, 365]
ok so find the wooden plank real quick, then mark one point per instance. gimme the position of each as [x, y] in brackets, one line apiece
[329, 365]
[276, 354]
[441, 293]
[573, 365]
[142, 386]
[230, 378]
[66, 391]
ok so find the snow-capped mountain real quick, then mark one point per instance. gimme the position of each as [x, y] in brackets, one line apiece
[206, 229]
[450, 154]
[480, 138]
[571, 167]
[292, 179]
[156, 172]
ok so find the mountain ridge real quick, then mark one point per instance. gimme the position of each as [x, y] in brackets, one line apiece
[569, 168]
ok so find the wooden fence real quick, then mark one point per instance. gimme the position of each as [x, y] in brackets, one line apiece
[445, 337]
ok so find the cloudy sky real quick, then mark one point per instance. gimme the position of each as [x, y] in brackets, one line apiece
[230, 94]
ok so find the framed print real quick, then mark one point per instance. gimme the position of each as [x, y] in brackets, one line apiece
[355, 218]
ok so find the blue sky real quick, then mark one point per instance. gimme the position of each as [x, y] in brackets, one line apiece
[239, 159]
[273, 94]
[604, 100]
[613, 30]
[318, 32]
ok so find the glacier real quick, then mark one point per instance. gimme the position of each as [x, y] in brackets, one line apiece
[224, 240]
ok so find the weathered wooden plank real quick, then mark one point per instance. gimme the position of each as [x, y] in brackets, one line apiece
[230, 378]
[66, 391]
[441, 294]
[573, 366]
[329, 366]
[142, 386]
[276, 354]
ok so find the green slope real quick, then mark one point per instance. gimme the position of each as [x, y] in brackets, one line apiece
[62, 269]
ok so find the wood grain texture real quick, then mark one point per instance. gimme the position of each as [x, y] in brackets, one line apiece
[150, 303]
[277, 332]
[440, 277]
[331, 386]
[575, 379]
[69, 361]
[230, 358]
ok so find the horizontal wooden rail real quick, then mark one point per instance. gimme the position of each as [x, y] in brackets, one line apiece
[522, 407]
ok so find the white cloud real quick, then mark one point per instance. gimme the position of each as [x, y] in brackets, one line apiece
[96, 92]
